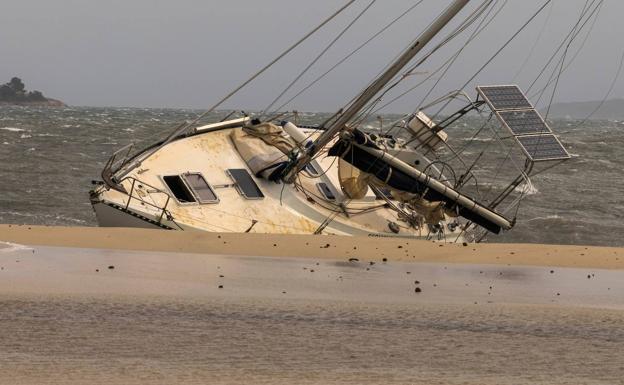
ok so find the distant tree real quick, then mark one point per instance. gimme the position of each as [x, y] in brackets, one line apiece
[14, 91]
[17, 85]
[36, 96]
[6, 92]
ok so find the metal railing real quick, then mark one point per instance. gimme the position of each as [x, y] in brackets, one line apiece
[153, 190]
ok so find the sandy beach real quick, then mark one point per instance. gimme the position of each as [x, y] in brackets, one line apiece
[307, 246]
[130, 306]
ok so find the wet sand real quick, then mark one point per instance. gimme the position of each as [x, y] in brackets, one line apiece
[318, 247]
[88, 315]
[131, 306]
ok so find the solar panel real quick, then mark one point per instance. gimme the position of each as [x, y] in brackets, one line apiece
[523, 122]
[543, 147]
[504, 97]
[245, 183]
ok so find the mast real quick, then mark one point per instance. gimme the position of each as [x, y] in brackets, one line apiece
[376, 86]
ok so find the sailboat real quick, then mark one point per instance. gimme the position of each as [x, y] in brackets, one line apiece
[272, 175]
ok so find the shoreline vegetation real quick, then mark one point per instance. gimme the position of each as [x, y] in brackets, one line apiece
[14, 93]
[364, 249]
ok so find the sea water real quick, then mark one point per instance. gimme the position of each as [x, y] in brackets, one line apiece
[50, 156]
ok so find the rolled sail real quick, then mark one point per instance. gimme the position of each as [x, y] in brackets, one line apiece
[363, 154]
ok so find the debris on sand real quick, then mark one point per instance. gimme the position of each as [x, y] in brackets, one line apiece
[353, 260]
[111, 267]
[418, 290]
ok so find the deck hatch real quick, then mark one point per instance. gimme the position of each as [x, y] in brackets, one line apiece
[179, 189]
[245, 184]
[201, 189]
[326, 191]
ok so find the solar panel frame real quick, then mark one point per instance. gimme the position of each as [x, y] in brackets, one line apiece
[504, 97]
[542, 147]
[523, 122]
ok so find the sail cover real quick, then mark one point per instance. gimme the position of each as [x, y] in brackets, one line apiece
[363, 154]
[263, 147]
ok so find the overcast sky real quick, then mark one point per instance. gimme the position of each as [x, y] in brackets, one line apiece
[189, 53]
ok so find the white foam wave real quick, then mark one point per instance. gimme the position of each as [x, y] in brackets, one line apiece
[12, 129]
[8, 247]
[527, 189]
[547, 217]
[25, 136]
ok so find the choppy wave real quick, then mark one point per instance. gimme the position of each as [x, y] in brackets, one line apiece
[63, 150]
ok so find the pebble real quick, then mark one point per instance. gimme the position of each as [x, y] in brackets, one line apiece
[371, 263]
[220, 286]
[97, 270]
[465, 244]
[384, 259]
[221, 276]
[417, 282]
[418, 290]
[353, 260]
[111, 267]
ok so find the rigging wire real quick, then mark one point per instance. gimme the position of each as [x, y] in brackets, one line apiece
[563, 59]
[495, 55]
[576, 54]
[534, 46]
[256, 75]
[432, 74]
[551, 78]
[561, 45]
[471, 19]
[349, 55]
[611, 87]
[457, 55]
[318, 57]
